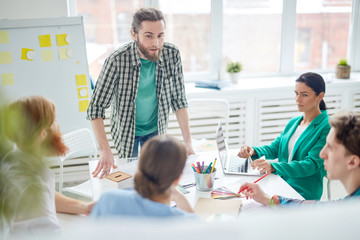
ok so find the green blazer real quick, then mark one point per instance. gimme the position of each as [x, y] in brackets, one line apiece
[305, 172]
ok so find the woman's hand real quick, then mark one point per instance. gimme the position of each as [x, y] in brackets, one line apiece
[253, 190]
[246, 151]
[180, 200]
[88, 208]
[263, 166]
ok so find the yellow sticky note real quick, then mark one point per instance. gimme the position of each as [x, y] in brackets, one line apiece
[27, 54]
[80, 80]
[45, 40]
[4, 37]
[83, 92]
[61, 39]
[63, 53]
[7, 78]
[47, 55]
[5, 58]
[83, 105]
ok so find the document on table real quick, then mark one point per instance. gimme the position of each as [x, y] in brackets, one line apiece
[206, 207]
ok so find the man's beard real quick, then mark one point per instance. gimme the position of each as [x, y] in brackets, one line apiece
[147, 55]
[53, 145]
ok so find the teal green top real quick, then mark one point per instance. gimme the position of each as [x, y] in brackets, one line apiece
[146, 101]
[305, 172]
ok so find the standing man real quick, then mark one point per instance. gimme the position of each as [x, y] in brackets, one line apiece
[141, 81]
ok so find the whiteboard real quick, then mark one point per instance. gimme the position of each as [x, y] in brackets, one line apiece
[47, 57]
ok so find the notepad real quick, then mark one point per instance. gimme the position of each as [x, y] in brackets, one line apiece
[206, 207]
[213, 84]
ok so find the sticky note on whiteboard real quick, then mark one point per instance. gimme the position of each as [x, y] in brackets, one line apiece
[83, 92]
[7, 79]
[4, 37]
[81, 80]
[83, 105]
[5, 58]
[47, 55]
[45, 40]
[64, 53]
[27, 54]
[61, 39]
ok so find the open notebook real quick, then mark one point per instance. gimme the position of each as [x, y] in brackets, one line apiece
[206, 207]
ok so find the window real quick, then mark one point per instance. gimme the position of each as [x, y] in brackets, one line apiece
[252, 34]
[188, 27]
[267, 36]
[322, 31]
[107, 26]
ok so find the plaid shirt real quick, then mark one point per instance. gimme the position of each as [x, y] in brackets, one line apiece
[118, 84]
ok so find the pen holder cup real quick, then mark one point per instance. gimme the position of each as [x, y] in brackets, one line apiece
[205, 181]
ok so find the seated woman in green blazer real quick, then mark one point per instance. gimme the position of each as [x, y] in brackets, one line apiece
[341, 156]
[298, 146]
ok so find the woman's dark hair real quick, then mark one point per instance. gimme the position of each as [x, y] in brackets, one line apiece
[316, 83]
[162, 160]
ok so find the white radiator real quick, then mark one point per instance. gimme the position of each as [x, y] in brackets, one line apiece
[274, 114]
[204, 125]
[356, 102]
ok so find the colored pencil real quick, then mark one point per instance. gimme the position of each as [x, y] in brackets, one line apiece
[208, 167]
[243, 189]
[198, 164]
[212, 169]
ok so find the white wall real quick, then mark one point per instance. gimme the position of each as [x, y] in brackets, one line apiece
[23, 9]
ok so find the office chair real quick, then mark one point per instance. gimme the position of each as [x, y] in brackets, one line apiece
[80, 143]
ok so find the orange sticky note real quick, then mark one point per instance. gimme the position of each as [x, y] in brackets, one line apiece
[45, 40]
[4, 37]
[83, 92]
[81, 80]
[27, 54]
[5, 58]
[7, 79]
[61, 39]
[83, 105]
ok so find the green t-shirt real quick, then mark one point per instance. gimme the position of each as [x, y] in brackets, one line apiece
[146, 101]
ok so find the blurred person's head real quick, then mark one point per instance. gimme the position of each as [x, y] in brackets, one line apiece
[310, 91]
[5, 146]
[161, 164]
[30, 123]
[341, 153]
[147, 30]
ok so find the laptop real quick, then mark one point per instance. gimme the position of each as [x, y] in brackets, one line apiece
[232, 164]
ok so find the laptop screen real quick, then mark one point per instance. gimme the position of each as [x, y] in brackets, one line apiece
[220, 142]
